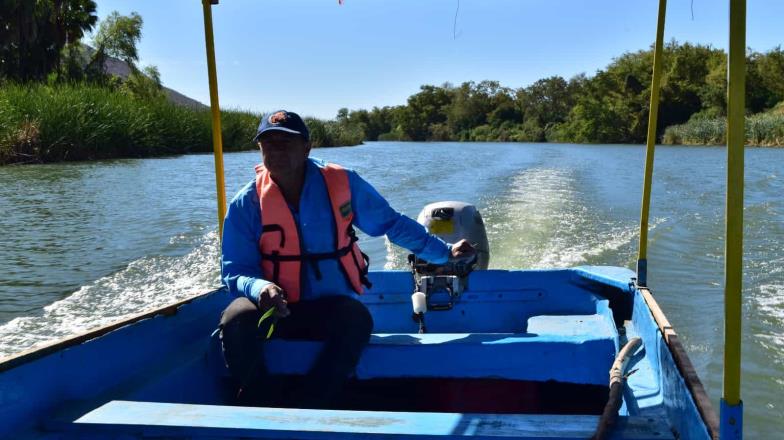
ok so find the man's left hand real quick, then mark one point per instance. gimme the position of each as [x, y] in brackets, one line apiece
[463, 249]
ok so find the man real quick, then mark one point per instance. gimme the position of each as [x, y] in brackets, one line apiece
[289, 244]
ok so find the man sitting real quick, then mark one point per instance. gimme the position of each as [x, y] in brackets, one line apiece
[289, 244]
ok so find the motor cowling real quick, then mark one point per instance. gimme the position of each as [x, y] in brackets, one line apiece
[454, 221]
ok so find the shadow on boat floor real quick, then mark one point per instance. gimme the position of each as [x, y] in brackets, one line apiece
[498, 396]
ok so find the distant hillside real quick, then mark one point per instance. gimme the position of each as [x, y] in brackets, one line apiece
[117, 67]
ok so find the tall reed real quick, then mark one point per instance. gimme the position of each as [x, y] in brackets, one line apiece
[762, 129]
[42, 123]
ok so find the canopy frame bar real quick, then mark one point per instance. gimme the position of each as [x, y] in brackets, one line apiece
[217, 139]
[653, 114]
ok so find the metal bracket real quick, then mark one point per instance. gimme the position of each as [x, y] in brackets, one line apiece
[441, 291]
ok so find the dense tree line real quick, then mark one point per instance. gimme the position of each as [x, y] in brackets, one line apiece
[609, 107]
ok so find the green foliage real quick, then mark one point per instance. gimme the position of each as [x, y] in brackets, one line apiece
[335, 133]
[76, 111]
[762, 129]
[610, 107]
[545, 103]
[700, 131]
[145, 84]
[33, 34]
[41, 123]
[373, 123]
[118, 35]
[765, 129]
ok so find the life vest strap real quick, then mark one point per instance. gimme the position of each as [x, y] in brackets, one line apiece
[275, 255]
[275, 228]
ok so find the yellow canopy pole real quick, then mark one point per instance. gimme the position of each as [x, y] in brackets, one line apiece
[217, 142]
[731, 405]
[642, 257]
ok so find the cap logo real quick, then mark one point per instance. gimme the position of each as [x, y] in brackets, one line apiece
[277, 118]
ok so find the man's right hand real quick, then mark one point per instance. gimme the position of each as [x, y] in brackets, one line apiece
[273, 296]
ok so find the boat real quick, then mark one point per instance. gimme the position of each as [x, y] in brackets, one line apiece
[582, 352]
[520, 354]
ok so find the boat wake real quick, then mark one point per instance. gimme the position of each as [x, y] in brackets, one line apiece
[547, 220]
[544, 220]
[770, 301]
[144, 284]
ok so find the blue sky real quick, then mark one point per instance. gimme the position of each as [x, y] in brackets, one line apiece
[314, 56]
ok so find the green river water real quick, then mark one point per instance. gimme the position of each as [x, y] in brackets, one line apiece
[84, 244]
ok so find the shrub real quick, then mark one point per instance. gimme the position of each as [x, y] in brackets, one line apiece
[50, 123]
[762, 129]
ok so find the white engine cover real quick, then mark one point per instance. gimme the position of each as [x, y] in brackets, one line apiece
[454, 221]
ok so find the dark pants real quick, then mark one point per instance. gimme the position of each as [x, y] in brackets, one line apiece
[342, 322]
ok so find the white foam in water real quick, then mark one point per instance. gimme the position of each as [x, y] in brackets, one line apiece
[542, 221]
[545, 220]
[575, 252]
[395, 256]
[770, 301]
[144, 284]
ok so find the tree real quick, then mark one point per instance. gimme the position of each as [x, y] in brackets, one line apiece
[73, 18]
[373, 123]
[145, 84]
[545, 103]
[34, 33]
[424, 109]
[118, 35]
[771, 69]
[764, 77]
[471, 105]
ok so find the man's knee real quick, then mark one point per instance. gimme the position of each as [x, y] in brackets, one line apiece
[355, 318]
[237, 336]
[237, 325]
[240, 312]
[364, 319]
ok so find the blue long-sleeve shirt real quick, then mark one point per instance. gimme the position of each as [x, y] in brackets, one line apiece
[241, 258]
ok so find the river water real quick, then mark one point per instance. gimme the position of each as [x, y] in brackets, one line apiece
[84, 244]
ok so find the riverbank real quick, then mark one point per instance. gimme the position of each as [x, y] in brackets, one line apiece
[762, 130]
[42, 124]
[72, 122]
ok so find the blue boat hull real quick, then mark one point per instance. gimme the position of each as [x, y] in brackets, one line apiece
[519, 350]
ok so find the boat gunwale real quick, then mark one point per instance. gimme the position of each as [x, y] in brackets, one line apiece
[682, 361]
[670, 337]
[37, 352]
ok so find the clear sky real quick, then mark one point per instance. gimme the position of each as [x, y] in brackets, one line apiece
[314, 56]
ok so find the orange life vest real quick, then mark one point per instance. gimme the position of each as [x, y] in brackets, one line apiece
[280, 243]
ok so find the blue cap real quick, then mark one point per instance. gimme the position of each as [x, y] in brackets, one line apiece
[282, 120]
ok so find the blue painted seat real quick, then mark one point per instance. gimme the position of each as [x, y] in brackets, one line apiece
[124, 419]
[550, 344]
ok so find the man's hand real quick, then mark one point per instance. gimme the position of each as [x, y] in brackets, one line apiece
[462, 249]
[273, 296]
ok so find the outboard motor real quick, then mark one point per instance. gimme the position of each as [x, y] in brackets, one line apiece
[454, 221]
[440, 285]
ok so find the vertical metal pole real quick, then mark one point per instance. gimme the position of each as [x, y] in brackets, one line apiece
[217, 142]
[642, 257]
[731, 419]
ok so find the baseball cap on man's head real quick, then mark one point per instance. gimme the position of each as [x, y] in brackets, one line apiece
[282, 120]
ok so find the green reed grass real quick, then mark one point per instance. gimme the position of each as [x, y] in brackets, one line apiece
[762, 129]
[42, 123]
